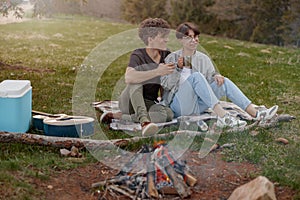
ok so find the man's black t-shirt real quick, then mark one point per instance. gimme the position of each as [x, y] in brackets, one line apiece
[141, 61]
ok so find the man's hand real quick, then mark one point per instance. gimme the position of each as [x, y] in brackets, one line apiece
[219, 79]
[165, 69]
[132, 76]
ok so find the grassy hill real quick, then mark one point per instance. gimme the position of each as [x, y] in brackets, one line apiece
[50, 53]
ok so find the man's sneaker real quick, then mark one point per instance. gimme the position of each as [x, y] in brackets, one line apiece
[149, 129]
[230, 121]
[266, 114]
[106, 117]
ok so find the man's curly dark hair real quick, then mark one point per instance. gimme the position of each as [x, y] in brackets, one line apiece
[151, 27]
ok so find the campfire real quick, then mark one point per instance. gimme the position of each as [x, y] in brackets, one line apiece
[163, 176]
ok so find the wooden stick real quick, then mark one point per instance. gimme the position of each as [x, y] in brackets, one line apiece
[112, 181]
[127, 189]
[118, 179]
[139, 188]
[113, 187]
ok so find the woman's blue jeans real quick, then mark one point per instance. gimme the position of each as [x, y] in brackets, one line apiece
[195, 95]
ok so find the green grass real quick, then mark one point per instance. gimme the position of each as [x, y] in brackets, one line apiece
[55, 49]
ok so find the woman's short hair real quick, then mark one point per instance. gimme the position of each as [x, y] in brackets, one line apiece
[183, 29]
[151, 27]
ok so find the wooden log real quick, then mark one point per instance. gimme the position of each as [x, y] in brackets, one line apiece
[109, 181]
[183, 190]
[68, 142]
[150, 186]
[61, 142]
[117, 189]
[190, 179]
[170, 190]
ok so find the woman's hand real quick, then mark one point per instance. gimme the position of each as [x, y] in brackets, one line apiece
[219, 79]
[180, 62]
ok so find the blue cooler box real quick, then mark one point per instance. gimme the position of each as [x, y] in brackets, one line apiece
[15, 105]
[69, 126]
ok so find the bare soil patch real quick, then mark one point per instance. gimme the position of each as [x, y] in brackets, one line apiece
[216, 179]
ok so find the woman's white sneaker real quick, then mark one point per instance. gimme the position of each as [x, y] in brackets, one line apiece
[266, 114]
[230, 121]
[202, 125]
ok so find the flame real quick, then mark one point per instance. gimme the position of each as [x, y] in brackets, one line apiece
[168, 179]
[158, 143]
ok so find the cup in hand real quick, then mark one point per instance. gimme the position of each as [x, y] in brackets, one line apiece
[187, 61]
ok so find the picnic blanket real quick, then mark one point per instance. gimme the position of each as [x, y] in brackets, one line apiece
[112, 106]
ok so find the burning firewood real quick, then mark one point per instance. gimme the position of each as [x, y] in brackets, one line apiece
[177, 181]
[150, 187]
[162, 175]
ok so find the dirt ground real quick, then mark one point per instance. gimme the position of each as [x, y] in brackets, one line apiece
[216, 180]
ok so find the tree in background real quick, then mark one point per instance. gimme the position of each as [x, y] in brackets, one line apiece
[48, 7]
[291, 24]
[135, 11]
[245, 22]
[11, 5]
[268, 21]
[42, 8]
[191, 10]
[263, 21]
[285, 27]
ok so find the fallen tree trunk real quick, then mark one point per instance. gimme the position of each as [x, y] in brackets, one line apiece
[59, 142]
[68, 142]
